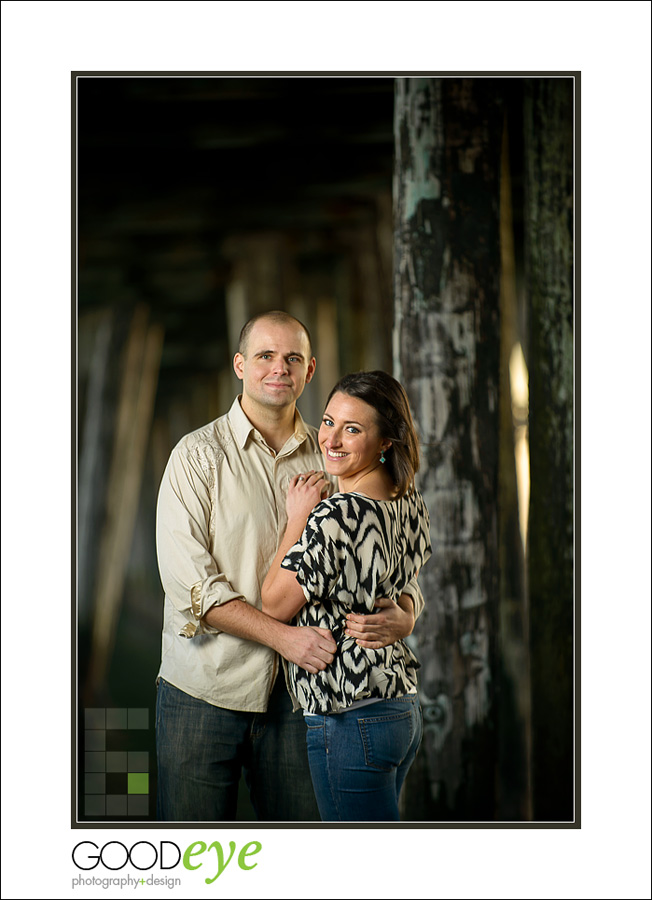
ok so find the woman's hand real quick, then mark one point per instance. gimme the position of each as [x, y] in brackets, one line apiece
[304, 493]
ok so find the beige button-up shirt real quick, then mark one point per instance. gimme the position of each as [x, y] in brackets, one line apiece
[220, 518]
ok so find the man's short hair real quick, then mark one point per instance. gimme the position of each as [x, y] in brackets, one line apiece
[278, 316]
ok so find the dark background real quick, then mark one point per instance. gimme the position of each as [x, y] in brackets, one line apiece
[202, 201]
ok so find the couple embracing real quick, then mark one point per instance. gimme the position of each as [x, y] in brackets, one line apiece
[289, 559]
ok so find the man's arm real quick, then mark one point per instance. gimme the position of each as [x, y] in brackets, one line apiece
[189, 573]
[193, 583]
[310, 647]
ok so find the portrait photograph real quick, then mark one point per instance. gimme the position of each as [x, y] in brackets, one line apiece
[326, 529]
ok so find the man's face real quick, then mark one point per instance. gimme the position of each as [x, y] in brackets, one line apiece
[276, 364]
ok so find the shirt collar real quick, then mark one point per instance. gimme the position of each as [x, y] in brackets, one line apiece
[242, 427]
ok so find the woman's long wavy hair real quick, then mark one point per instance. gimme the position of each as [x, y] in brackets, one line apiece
[389, 401]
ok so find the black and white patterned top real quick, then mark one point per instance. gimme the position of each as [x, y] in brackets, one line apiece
[352, 551]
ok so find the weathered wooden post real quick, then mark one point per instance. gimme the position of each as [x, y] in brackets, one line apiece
[550, 272]
[132, 430]
[446, 353]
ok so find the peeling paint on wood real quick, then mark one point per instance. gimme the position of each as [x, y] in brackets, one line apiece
[549, 260]
[447, 267]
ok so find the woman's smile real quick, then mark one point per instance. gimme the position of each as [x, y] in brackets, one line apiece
[350, 439]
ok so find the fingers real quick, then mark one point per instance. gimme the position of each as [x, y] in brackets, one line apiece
[365, 624]
[317, 663]
[383, 603]
[304, 492]
[315, 648]
[355, 620]
[321, 663]
[315, 479]
[371, 645]
[324, 632]
[375, 619]
[308, 479]
[373, 632]
[324, 651]
[367, 636]
[302, 476]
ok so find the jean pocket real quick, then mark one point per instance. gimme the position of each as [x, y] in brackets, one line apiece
[314, 721]
[386, 739]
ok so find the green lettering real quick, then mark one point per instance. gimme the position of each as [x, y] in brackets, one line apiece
[190, 851]
[221, 865]
[244, 852]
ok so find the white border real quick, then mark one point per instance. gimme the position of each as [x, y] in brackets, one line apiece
[609, 43]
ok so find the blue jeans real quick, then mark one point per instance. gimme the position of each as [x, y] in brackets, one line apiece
[359, 759]
[203, 749]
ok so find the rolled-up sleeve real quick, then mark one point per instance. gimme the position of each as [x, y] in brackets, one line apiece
[189, 573]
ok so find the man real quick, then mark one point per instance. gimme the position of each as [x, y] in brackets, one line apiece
[222, 705]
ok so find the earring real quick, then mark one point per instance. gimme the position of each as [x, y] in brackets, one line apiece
[382, 456]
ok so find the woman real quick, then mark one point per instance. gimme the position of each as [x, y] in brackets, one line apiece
[337, 556]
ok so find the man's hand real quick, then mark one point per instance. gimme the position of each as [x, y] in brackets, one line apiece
[308, 646]
[380, 629]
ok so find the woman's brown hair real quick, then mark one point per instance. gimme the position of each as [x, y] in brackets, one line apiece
[389, 401]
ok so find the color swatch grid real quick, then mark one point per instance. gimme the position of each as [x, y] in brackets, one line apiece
[116, 782]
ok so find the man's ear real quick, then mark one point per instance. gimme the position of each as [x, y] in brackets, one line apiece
[312, 365]
[238, 365]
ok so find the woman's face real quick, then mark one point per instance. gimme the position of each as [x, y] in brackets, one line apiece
[349, 437]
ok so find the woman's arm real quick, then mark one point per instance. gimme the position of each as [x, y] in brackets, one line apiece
[282, 594]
